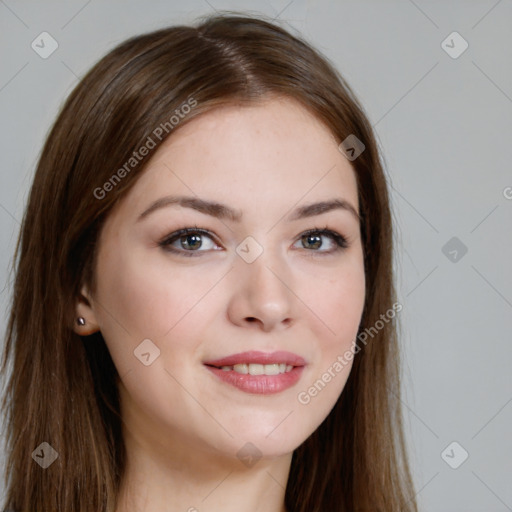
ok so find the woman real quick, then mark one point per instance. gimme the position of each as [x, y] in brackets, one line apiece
[206, 247]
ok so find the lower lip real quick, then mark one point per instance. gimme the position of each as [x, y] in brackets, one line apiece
[259, 384]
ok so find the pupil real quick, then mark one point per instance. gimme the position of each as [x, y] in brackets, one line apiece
[194, 237]
[318, 240]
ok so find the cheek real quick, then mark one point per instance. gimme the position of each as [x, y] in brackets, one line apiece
[144, 297]
[337, 302]
[338, 305]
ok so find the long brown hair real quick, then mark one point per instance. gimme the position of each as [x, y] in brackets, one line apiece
[62, 387]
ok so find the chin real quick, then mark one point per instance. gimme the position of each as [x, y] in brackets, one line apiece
[267, 440]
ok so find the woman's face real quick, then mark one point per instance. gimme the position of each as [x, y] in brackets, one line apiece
[169, 304]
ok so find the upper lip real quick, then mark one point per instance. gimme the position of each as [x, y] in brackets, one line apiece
[257, 357]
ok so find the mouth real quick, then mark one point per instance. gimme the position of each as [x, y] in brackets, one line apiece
[259, 372]
[257, 369]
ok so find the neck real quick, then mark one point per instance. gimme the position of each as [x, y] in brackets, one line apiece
[182, 478]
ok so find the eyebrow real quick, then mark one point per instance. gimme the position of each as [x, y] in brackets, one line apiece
[222, 211]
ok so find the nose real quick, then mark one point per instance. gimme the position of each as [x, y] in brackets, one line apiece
[262, 296]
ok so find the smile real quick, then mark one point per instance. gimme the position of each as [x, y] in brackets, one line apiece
[259, 369]
[259, 372]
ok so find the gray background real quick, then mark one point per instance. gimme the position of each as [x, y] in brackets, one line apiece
[445, 126]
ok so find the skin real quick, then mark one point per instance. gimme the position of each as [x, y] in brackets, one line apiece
[182, 425]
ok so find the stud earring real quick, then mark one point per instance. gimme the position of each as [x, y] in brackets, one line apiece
[80, 320]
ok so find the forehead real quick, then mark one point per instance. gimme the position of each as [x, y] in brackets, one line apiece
[272, 153]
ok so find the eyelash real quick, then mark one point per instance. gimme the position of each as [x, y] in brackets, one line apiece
[340, 241]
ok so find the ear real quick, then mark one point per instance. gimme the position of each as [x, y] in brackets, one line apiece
[84, 309]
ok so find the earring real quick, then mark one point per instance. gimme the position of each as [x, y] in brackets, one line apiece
[80, 320]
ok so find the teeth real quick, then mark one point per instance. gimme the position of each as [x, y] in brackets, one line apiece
[241, 368]
[259, 369]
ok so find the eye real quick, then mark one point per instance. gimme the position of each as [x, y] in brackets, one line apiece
[189, 240]
[313, 239]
